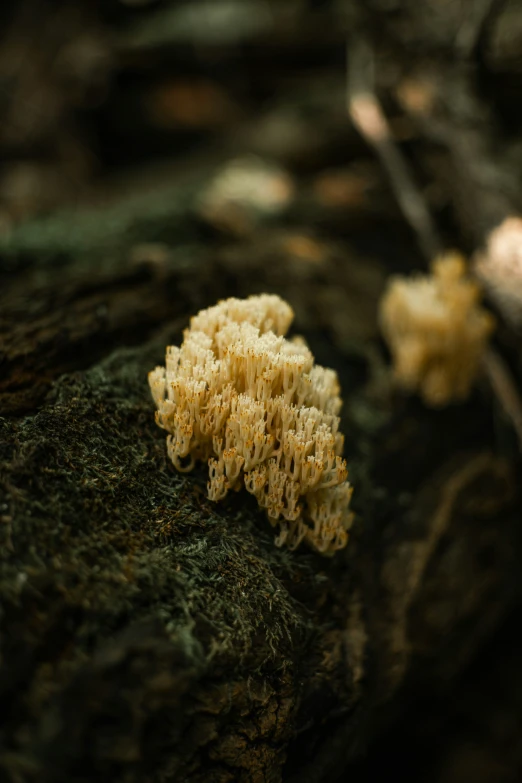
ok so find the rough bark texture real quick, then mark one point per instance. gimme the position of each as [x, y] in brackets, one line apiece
[148, 634]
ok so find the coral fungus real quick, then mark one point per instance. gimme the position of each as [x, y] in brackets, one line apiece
[499, 267]
[436, 330]
[253, 403]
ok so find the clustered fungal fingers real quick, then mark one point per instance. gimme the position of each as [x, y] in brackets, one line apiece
[499, 268]
[437, 331]
[240, 395]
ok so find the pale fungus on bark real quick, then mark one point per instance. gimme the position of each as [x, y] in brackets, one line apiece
[252, 403]
[437, 331]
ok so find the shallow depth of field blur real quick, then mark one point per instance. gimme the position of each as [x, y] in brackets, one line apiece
[221, 134]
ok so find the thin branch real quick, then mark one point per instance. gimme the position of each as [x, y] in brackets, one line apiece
[504, 389]
[370, 120]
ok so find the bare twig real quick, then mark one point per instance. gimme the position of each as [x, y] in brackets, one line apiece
[369, 119]
[475, 26]
[504, 389]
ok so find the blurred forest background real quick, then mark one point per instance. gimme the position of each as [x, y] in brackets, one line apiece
[156, 155]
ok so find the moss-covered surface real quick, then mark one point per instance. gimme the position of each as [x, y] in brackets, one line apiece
[114, 566]
[149, 634]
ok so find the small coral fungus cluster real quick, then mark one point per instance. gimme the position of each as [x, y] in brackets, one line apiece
[437, 331]
[499, 268]
[239, 394]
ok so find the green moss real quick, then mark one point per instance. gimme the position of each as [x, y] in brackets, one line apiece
[149, 216]
[100, 534]
[98, 513]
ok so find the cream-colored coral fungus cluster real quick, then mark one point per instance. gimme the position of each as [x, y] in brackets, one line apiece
[499, 268]
[437, 331]
[253, 403]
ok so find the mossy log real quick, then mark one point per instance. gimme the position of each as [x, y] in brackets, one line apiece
[151, 635]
